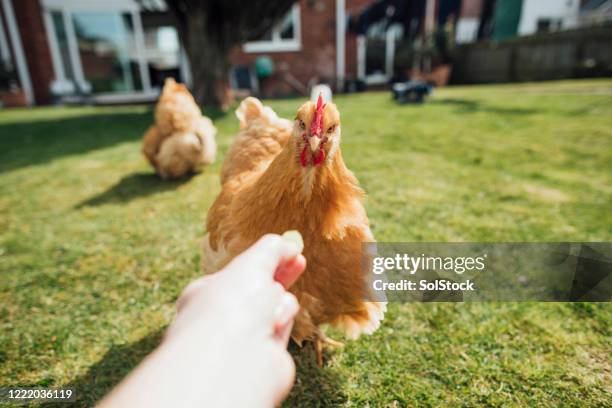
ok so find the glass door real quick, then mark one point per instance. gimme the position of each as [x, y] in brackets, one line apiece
[376, 52]
[107, 50]
[97, 48]
[63, 47]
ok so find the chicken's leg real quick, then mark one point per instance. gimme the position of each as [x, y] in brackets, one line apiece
[320, 340]
[318, 345]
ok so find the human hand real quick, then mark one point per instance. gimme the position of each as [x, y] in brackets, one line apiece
[227, 344]
[246, 305]
[247, 289]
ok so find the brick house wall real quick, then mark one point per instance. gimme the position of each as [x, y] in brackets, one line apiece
[35, 47]
[317, 58]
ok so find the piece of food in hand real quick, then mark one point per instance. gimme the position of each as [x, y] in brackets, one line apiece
[295, 237]
[181, 140]
[280, 175]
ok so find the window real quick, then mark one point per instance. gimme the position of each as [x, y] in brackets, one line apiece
[545, 25]
[98, 47]
[5, 52]
[107, 49]
[376, 52]
[8, 75]
[163, 50]
[285, 36]
[62, 43]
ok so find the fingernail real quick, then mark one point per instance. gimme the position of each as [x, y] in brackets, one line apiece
[294, 237]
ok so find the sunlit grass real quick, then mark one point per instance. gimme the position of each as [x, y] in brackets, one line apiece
[94, 249]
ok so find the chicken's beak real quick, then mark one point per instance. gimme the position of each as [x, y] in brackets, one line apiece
[314, 143]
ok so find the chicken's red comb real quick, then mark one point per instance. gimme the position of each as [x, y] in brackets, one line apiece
[317, 122]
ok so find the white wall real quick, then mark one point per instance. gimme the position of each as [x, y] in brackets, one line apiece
[565, 10]
[467, 30]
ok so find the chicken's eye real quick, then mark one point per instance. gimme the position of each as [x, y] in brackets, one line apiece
[331, 129]
[302, 125]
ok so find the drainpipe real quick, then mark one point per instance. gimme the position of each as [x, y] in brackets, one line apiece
[430, 13]
[340, 43]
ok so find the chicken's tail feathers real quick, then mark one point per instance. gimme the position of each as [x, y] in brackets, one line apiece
[364, 321]
[251, 109]
[207, 132]
[182, 153]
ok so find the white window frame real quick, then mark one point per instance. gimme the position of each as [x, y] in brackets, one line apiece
[68, 8]
[382, 78]
[91, 5]
[277, 44]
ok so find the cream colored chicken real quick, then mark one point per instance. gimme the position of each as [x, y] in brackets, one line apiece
[181, 140]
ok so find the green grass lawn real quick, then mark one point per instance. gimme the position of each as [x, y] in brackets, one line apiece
[94, 249]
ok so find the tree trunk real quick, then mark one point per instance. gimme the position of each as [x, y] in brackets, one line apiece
[209, 30]
[209, 60]
[209, 69]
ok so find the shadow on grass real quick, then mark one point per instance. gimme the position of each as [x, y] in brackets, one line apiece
[472, 106]
[110, 370]
[214, 113]
[30, 143]
[313, 385]
[133, 186]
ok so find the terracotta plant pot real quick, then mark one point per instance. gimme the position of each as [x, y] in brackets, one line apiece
[13, 98]
[439, 76]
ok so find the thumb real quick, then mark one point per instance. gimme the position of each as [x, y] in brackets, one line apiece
[266, 256]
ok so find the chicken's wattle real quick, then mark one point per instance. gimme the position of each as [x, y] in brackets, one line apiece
[317, 158]
[320, 157]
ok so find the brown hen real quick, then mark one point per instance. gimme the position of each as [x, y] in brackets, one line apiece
[281, 176]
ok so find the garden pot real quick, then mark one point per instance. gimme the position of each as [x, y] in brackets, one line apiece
[13, 98]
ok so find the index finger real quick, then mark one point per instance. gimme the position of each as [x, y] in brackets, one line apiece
[266, 255]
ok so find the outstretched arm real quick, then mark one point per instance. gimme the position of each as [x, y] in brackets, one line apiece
[227, 345]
